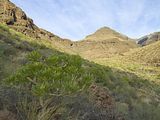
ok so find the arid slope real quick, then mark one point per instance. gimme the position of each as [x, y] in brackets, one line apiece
[104, 43]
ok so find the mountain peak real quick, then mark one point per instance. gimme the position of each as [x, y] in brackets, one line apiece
[104, 28]
[106, 33]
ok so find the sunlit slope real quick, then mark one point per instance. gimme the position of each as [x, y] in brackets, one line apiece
[144, 61]
[104, 43]
[148, 55]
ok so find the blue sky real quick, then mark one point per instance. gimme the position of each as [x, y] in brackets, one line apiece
[74, 19]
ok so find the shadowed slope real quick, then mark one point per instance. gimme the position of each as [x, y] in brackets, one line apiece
[149, 39]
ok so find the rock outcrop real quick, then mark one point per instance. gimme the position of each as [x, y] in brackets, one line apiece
[149, 39]
[14, 17]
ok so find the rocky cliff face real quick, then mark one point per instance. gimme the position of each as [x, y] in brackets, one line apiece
[18, 20]
[148, 39]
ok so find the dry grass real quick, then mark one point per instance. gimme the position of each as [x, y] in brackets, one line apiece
[148, 55]
[6, 115]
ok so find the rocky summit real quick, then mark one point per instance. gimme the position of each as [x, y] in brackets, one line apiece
[13, 16]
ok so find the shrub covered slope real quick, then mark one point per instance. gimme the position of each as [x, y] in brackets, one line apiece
[40, 83]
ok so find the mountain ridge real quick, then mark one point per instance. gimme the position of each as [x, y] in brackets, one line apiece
[16, 18]
[103, 43]
[149, 39]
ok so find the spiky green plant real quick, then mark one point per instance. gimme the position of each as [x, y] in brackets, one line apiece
[55, 75]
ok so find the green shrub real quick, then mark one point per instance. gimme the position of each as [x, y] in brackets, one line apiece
[57, 74]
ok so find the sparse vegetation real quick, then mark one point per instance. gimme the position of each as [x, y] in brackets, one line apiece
[41, 83]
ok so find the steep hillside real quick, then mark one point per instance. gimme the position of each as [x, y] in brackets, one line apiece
[104, 43]
[18, 20]
[143, 61]
[148, 55]
[42, 83]
[148, 39]
[14, 47]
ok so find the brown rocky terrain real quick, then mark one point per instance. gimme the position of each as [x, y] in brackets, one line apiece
[14, 17]
[104, 43]
[148, 39]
